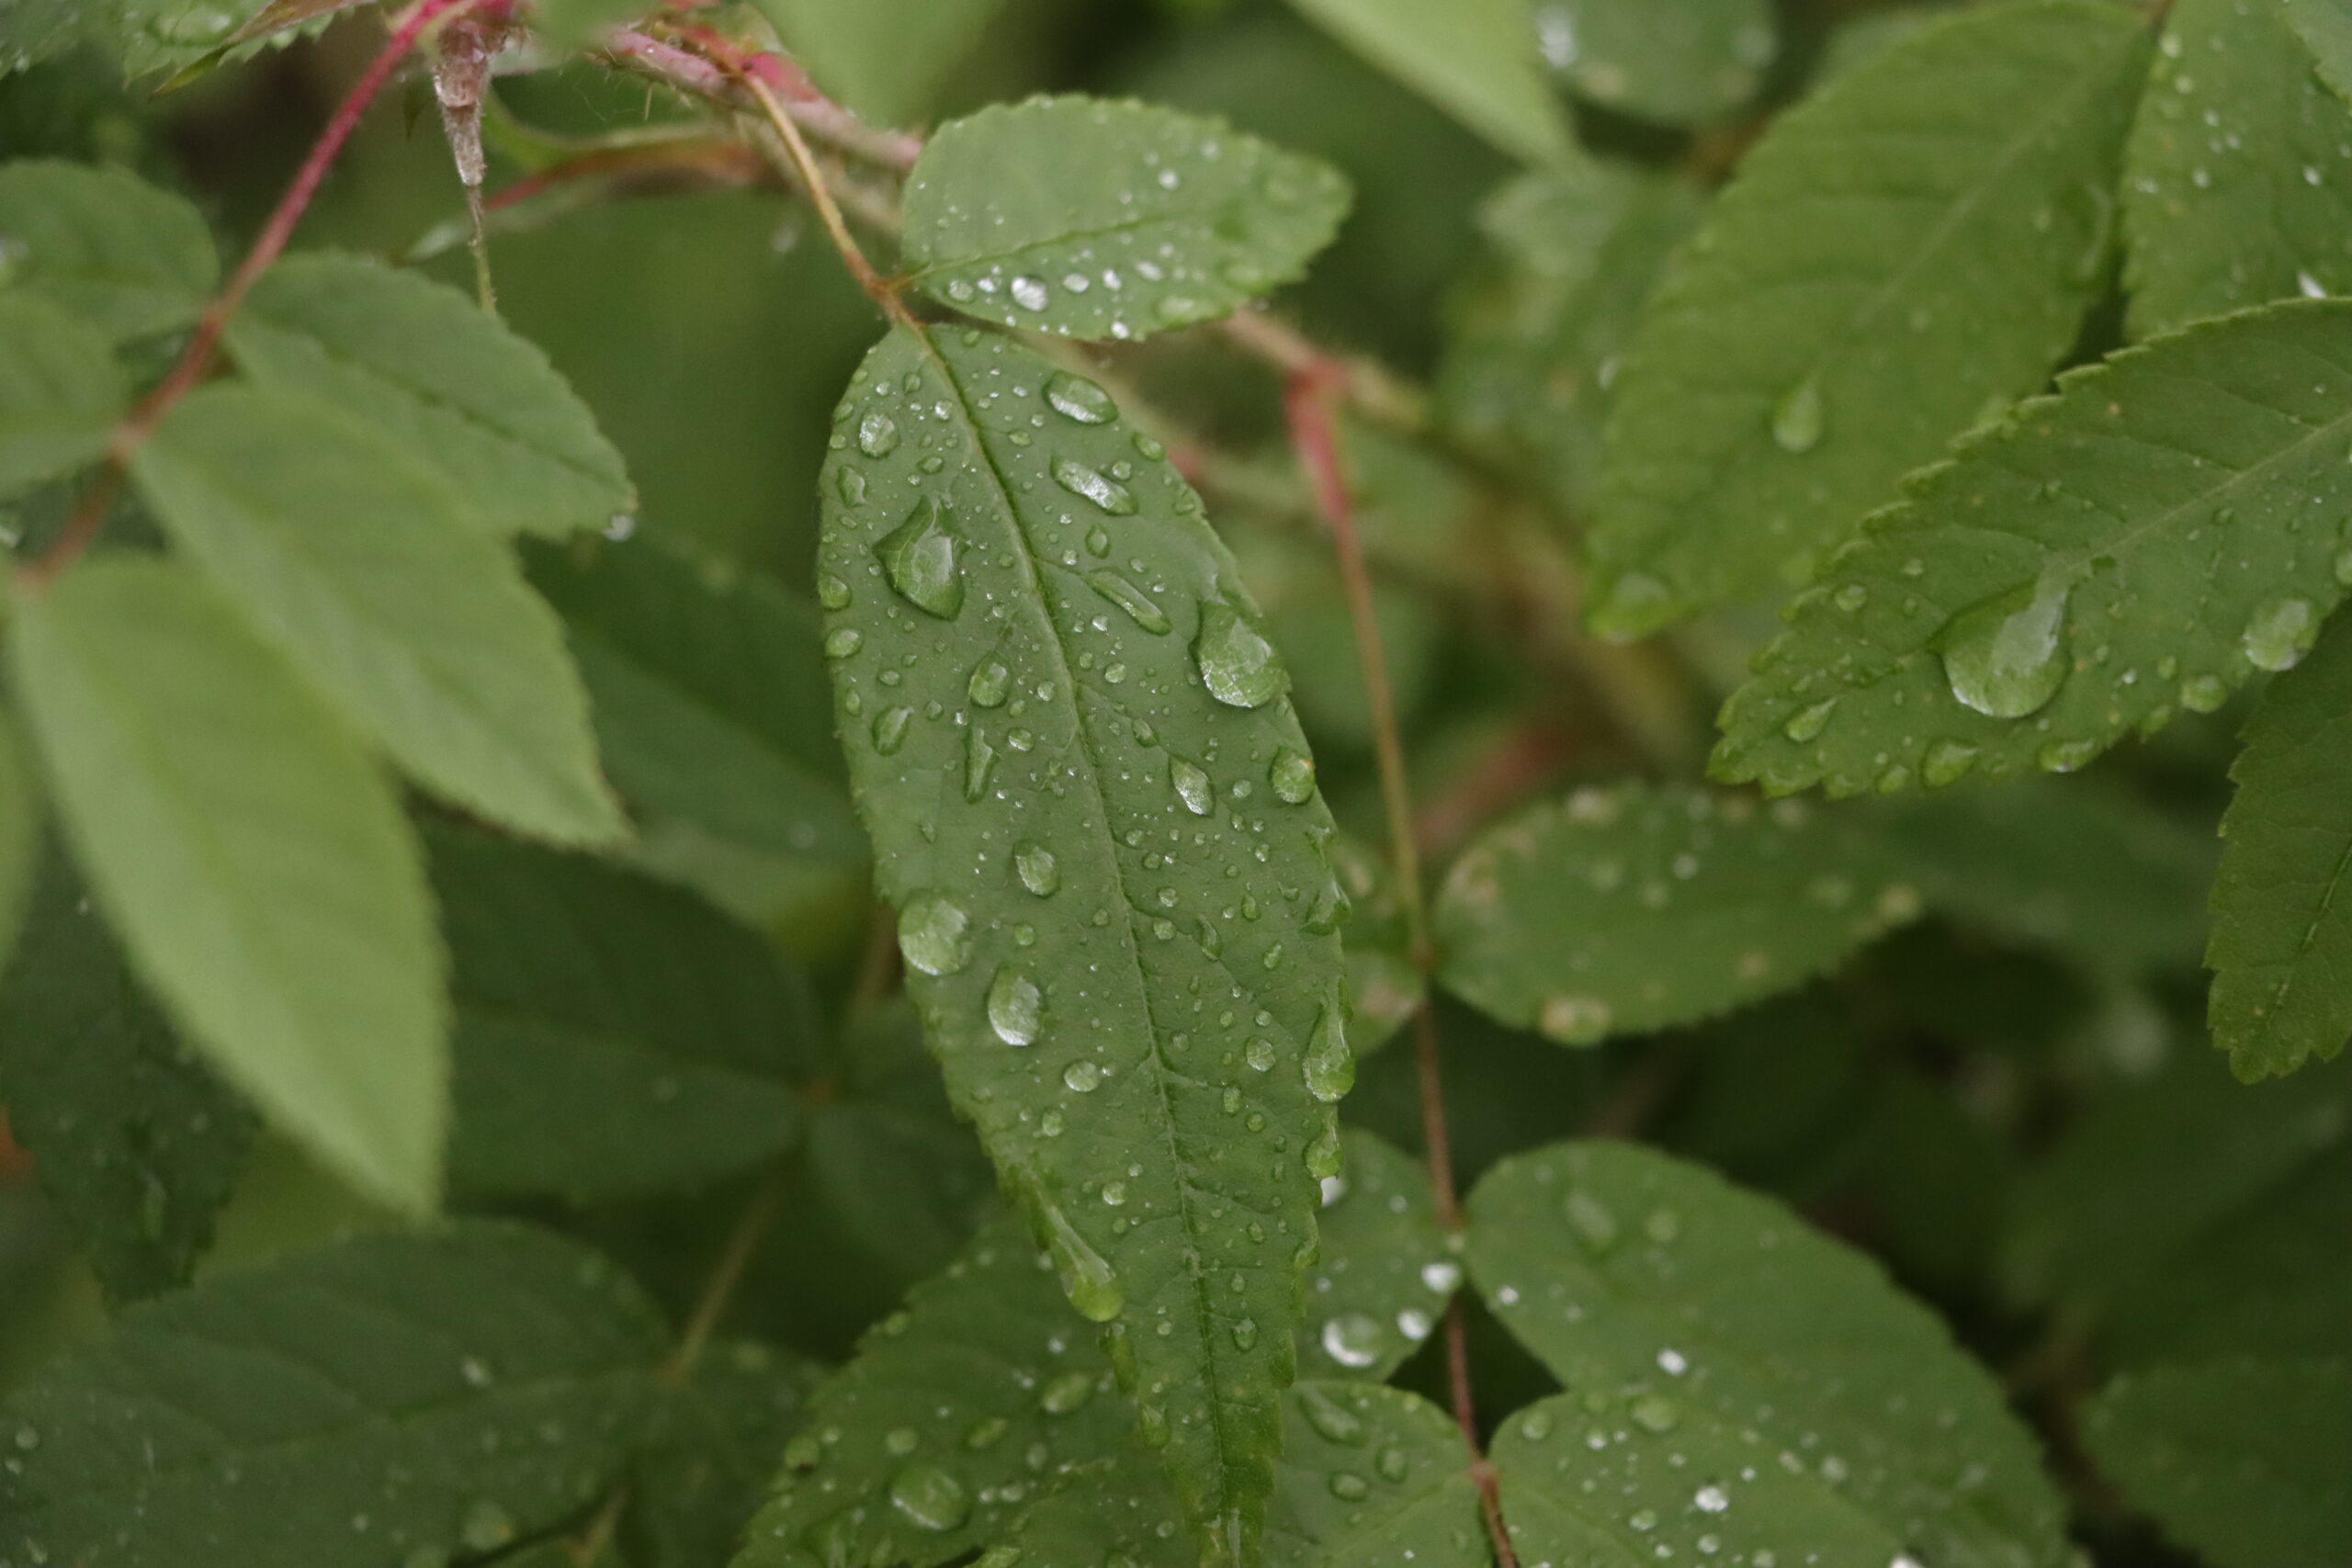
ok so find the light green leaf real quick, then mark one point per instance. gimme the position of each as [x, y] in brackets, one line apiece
[104, 245]
[1666, 59]
[2241, 1461]
[61, 392]
[2150, 537]
[574, 24]
[1687, 1317]
[615, 1037]
[422, 366]
[2235, 177]
[254, 861]
[885, 59]
[1095, 813]
[2281, 952]
[1099, 219]
[1627, 910]
[134, 1140]
[1826, 329]
[1474, 58]
[365, 569]
[21, 810]
[2325, 27]
[1383, 1274]
[710, 696]
[705, 1467]
[497, 1373]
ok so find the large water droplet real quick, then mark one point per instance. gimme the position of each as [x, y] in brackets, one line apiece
[1139, 605]
[1237, 663]
[2203, 693]
[1067, 1393]
[934, 935]
[1654, 1413]
[1352, 1339]
[919, 558]
[1093, 485]
[2004, 657]
[991, 682]
[890, 730]
[877, 435]
[1016, 1007]
[1086, 1279]
[1083, 1076]
[843, 641]
[1035, 865]
[930, 1497]
[486, 1527]
[1806, 724]
[1945, 762]
[2280, 633]
[1075, 397]
[1293, 777]
[1332, 1420]
[1324, 1156]
[1030, 293]
[1193, 787]
[1797, 421]
[1592, 1222]
[980, 764]
[1575, 1020]
[833, 593]
[1331, 1066]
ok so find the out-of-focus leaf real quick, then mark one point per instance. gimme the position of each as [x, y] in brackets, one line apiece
[129, 259]
[61, 391]
[2325, 27]
[705, 1467]
[885, 59]
[21, 809]
[1666, 59]
[1474, 58]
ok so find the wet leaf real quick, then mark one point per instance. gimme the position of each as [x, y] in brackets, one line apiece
[2325, 27]
[1379, 1288]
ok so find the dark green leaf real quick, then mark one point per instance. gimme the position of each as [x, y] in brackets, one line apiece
[1828, 328]
[254, 862]
[362, 1405]
[2235, 177]
[21, 810]
[615, 1036]
[885, 59]
[425, 368]
[1095, 815]
[706, 1467]
[1823, 1409]
[2162, 529]
[135, 1142]
[2325, 27]
[366, 570]
[710, 697]
[61, 391]
[1474, 58]
[1100, 220]
[1384, 1275]
[1627, 910]
[107, 247]
[2241, 1461]
[1666, 59]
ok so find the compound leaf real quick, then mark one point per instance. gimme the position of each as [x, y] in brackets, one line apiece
[2237, 172]
[1627, 910]
[61, 392]
[1095, 813]
[2325, 27]
[1913, 244]
[1099, 219]
[1474, 58]
[615, 1036]
[129, 259]
[134, 1140]
[498, 1375]
[254, 862]
[2241, 1461]
[2281, 951]
[421, 365]
[366, 569]
[1675, 60]
[1684, 1317]
[2148, 539]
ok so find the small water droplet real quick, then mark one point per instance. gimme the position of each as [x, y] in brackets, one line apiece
[1141, 606]
[1192, 785]
[934, 934]
[877, 436]
[849, 485]
[1235, 658]
[2004, 657]
[2203, 693]
[1945, 762]
[1592, 1222]
[1016, 1007]
[1711, 1499]
[991, 682]
[1260, 1054]
[1083, 1076]
[1245, 1334]
[1575, 1020]
[1075, 397]
[1806, 724]
[486, 1527]
[1094, 485]
[1067, 1393]
[1350, 1487]
[930, 1497]
[1797, 422]
[1654, 1413]
[2280, 633]
[1098, 541]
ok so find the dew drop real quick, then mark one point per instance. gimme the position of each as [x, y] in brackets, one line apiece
[1293, 777]
[930, 1497]
[1093, 485]
[1332, 1420]
[2003, 657]
[1797, 421]
[486, 1527]
[1086, 1279]
[1067, 1393]
[1350, 1487]
[833, 593]
[1945, 762]
[1323, 1155]
[919, 558]
[2280, 633]
[1237, 663]
[2203, 693]
[980, 764]
[1038, 870]
[1083, 1076]
[1245, 1334]
[1654, 1413]
[1194, 786]
[1030, 292]
[1331, 1066]
[1139, 605]
[1592, 1222]
[877, 436]
[1352, 1339]
[842, 641]
[934, 934]
[991, 682]
[1075, 397]
[890, 730]
[1016, 1007]
[849, 485]
[1807, 724]
[1573, 1020]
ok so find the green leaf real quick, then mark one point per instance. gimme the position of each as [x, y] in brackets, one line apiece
[104, 245]
[1676, 61]
[615, 1037]
[449, 384]
[1826, 330]
[2241, 1461]
[1685, 1317]
[1096, 818]
[1383, 1274]
[2325, 27]
[21, 809]
[1627, 910]
[885, 59]
[61, 392]
[705, 1467]
[574, 24]
[497, 1374]
[2235, 175]
[365, 569]
[2148, 539]
[710, 695]
[1098, 219]
[1474, 58]
[2281, 951]
[134, 1141]
[254, 861]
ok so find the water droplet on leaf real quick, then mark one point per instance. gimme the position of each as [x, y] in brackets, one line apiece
[1236, 660]
[919, 558]
[934, 935]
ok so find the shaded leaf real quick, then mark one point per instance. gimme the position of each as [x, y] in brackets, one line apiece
[1095, 815]
[104, 245]
[705, 1464]
[276, 23]
[2241, 1461]
[1828, 328]
[1687, 1317]
[1665, 60]
[366, 569]
[2237, 173]
[885, 59]
[134, 1141]
[2325, 27]
[2148, 539]
[271, 1404]
[21, 809]
[1100, 220]
[709, 694]
[615, 1036]
[1627, 909]
[1474, 58]
[427, 369]
[61, 392]
[254, 861]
